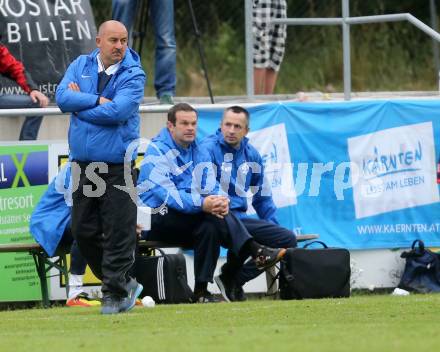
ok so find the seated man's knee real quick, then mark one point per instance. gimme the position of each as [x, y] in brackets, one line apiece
[293, 243]
[210, 230]
[287, 239]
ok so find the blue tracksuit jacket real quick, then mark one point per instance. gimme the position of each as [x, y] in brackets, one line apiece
[174, 176]
[102, 132]
[51, 216]
[238, 175]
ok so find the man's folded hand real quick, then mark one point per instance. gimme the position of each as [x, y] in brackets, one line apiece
[216, 205]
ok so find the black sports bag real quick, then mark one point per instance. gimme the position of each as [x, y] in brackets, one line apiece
[422, 269]
[163, 277]
[315, 273]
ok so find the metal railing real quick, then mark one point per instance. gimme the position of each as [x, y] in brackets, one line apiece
[345, 21]
[145, 108]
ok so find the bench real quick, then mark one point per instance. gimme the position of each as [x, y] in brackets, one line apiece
[44, 263]
[159, 244]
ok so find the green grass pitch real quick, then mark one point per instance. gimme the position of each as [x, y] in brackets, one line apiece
[360, 323]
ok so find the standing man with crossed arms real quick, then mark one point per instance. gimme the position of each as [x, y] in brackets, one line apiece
[103, 91]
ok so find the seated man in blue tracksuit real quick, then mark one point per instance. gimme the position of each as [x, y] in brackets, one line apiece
[231, 153]
[177, 181]
[50, 226]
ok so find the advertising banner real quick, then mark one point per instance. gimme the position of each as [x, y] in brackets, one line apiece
[23, 180]
[46, 35]
[360, 174]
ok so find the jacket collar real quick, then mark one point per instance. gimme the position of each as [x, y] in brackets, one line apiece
[131, 58]
[112, 69]
[166, 138]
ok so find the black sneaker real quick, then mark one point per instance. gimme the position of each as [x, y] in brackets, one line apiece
[226, 286]
[204, 297]
[239, 294]
[267, 257]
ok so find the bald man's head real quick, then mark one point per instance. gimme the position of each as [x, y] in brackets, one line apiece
[110, 25]
[112, 41]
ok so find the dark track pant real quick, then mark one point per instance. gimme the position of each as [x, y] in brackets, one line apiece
[77, 262]
[105, 228]
[202, 232]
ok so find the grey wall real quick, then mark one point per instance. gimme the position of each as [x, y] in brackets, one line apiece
[55, 127]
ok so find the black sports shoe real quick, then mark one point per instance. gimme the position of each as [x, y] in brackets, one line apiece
[227, 287]
[267, 257]
[204, 297]
[239, 294]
